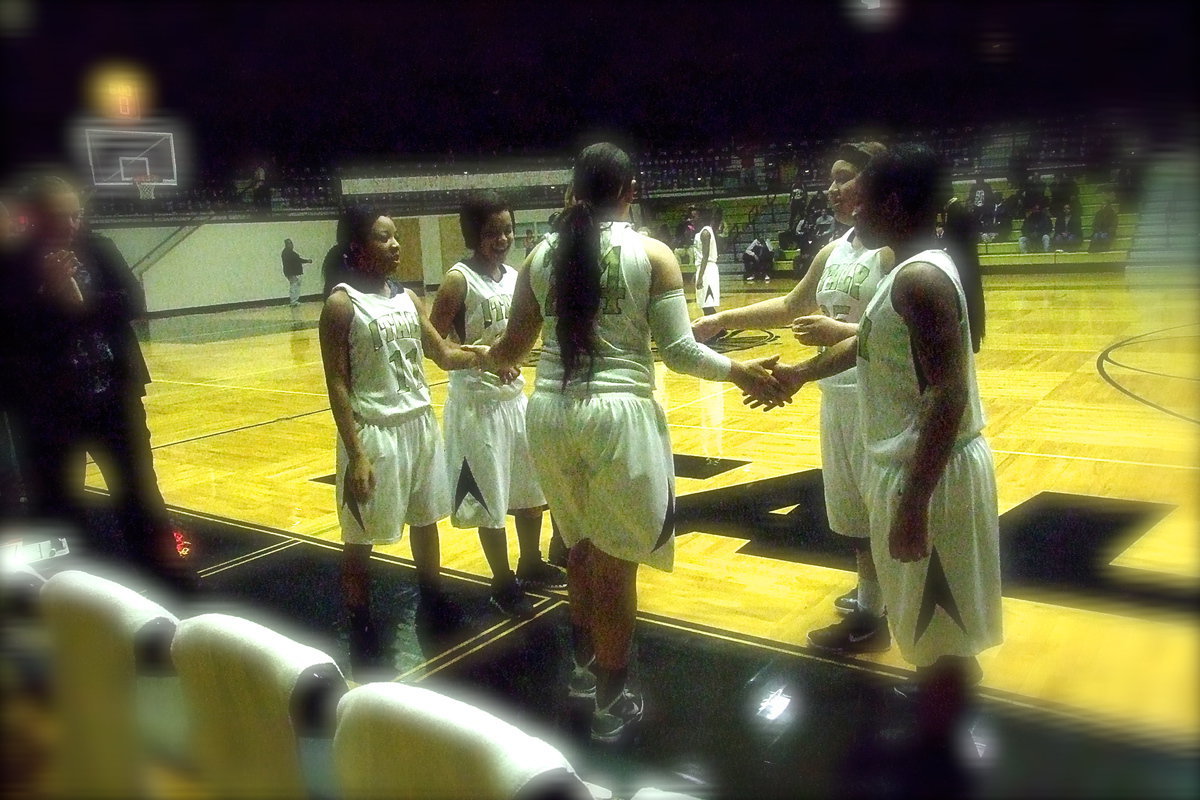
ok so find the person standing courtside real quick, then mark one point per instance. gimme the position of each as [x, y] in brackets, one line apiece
[293, 270]
[70, 299]
[597, 291]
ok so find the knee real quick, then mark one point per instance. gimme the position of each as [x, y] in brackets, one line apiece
[529, 513]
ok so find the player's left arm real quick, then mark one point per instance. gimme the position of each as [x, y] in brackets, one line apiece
[926, 299]
[524, 324]
[447, 355]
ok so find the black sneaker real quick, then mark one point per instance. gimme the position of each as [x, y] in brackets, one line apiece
[609, 723]
[859, 632]
[582, 683]
[910, 688]
[511, 601]
[541, 575]
[847, 603]
[558, 552]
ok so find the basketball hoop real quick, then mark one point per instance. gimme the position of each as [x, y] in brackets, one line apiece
[145, 187]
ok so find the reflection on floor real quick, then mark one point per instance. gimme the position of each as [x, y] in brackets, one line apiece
[727, 716]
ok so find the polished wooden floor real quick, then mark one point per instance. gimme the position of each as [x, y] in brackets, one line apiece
[241, 426]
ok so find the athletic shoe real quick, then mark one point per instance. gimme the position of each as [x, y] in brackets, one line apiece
[910, 688]
[541, 575]
[767, 279]
[558, 552]
[582, 683]
[511, 601]
[855, 633]
[608, 724]
[847, 603]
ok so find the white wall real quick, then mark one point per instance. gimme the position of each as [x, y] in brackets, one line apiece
[224, 263]
[238, 262]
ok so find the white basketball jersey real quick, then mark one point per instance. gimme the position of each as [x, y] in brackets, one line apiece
[698, 246]
[623, 361]
[888, 379]
[387, 373]
[851, 276]
[486, 307]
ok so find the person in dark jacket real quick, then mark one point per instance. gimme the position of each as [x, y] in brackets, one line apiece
[1036, 230]
[293, 270]
[69, 299]
[1104, 228]
[1068, 230]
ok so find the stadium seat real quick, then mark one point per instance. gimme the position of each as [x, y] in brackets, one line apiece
[262, 706]
[401, 741]
[104, 637]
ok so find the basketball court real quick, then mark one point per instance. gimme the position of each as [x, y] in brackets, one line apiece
[1088, 382]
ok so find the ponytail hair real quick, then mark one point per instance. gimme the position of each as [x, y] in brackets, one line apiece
[354, 226]
[603, 172]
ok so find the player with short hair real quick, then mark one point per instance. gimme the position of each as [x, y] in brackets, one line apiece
[487, 450]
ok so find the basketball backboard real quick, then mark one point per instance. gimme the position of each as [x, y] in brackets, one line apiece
[116, 157]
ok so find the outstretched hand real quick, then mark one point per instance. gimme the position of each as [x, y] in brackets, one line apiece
[789, 379]
[706, 327]
[486, 363]
[755, 379]
[818, 330]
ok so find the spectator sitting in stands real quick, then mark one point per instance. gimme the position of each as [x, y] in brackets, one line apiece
[1034, 195]
[1036, 230]
[1104, 228]
[995, 223]
[1068, 230]
[980, 199]
[1063, 191]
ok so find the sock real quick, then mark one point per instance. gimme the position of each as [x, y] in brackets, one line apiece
[609, 685]
[870, 597]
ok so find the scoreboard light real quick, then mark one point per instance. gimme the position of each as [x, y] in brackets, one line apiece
[119, 91]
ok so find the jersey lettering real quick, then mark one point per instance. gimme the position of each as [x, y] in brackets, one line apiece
[864, 333]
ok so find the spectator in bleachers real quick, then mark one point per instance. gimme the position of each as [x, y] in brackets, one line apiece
[796, 209]
[1064, 190]
[1034, 194]
[993, 220]
[530, 241]
[1104, 228]
[980, 199]
[1035, 231]
[1068, 230]
[686, 233]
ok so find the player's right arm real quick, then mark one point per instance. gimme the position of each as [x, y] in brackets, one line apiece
[773, 313]
[677, 346]
[334, 331]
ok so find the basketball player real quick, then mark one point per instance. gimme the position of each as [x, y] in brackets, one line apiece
[704, 256]
[487, 453]
[930, 480]
[840, 282]
[390, 467]
[597, 292]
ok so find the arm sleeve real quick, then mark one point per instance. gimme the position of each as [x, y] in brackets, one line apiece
[672, 332]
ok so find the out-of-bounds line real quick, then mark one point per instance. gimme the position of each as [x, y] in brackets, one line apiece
[246, 559]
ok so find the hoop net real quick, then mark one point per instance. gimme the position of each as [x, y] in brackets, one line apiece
[145, 188]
